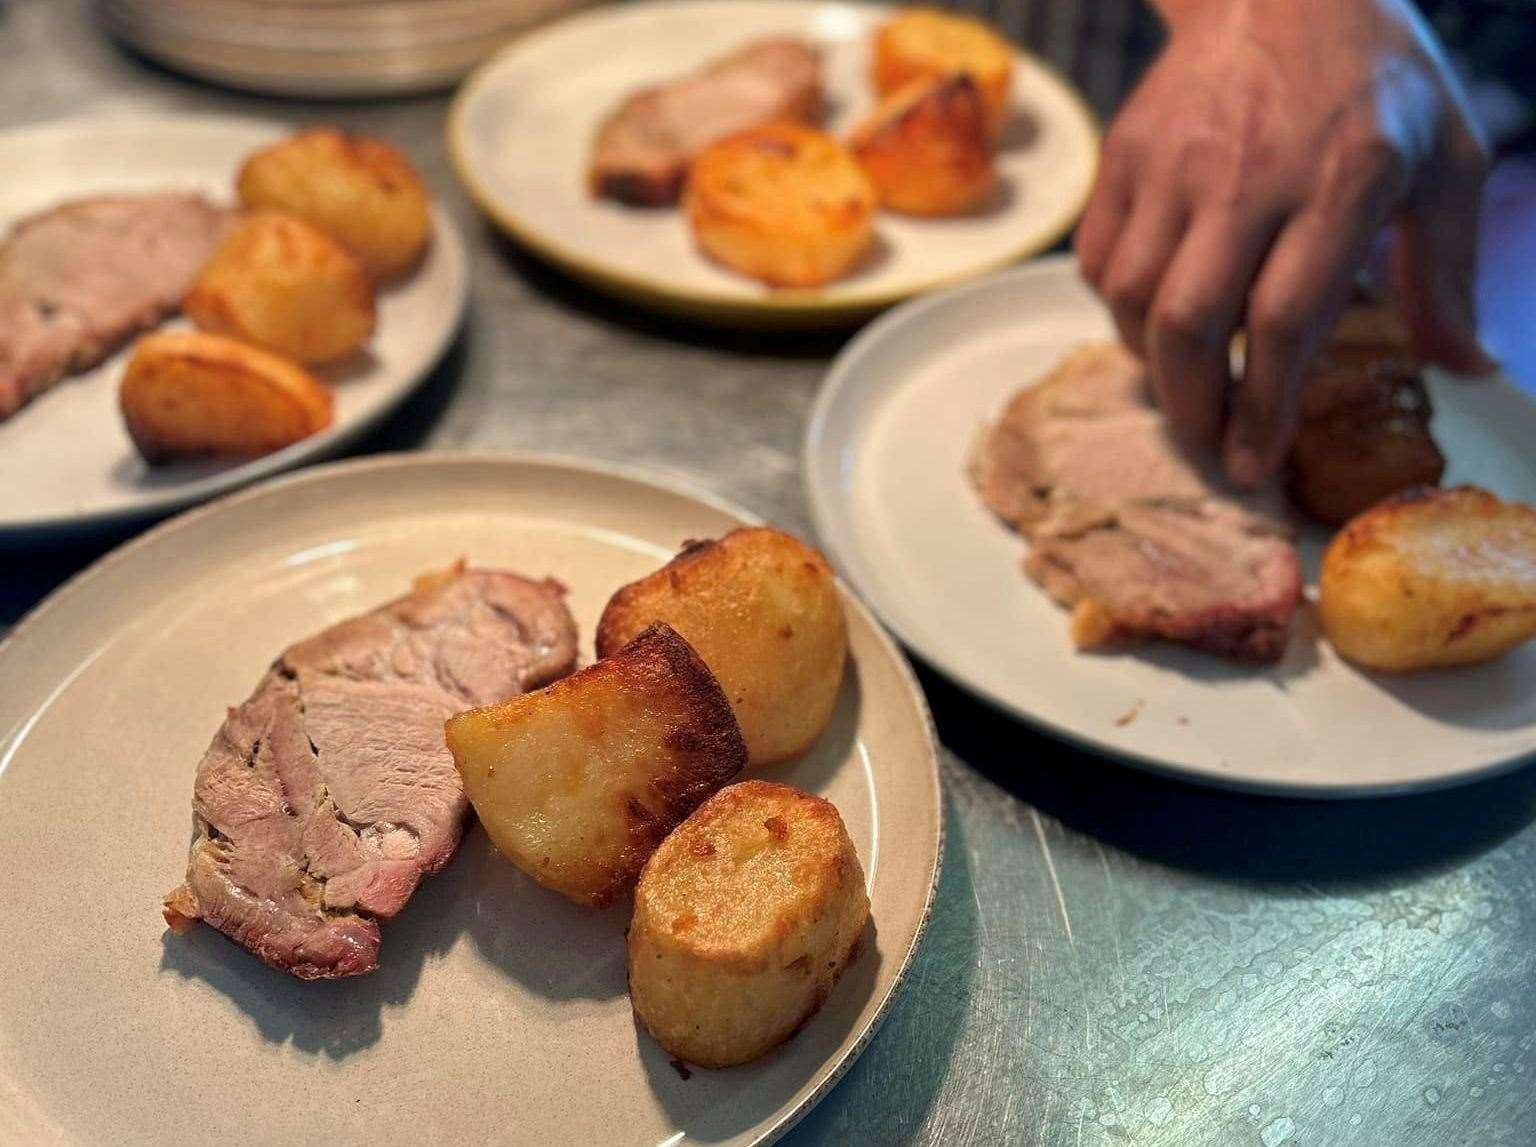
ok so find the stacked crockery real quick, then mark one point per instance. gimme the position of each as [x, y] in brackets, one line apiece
[324, 47]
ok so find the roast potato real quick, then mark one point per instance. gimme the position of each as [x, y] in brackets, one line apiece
[1363, 436]
[744, 919]
[577, 783]
[189, 392]
[361, 190]
[1431, 578]
[926, 149]
[783, 204]
[283, 284]
[928, 43]
[764, 612]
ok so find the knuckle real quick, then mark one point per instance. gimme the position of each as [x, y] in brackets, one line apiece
[1185, 324]
[1127, 295]
[1282, 323]
[1363, 166]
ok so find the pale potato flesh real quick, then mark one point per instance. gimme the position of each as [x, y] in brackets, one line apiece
[744, 919]
[1439, 578]
[578, 782]
[764, 611]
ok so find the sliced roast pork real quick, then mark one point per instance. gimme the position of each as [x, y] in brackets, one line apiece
[1201, 572]
[1124, 528]
[79, 280]
[326, 797]
[642, 150]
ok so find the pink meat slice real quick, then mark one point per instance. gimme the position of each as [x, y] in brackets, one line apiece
[81, 279]
[327, 796]
[1122, 522]
[642, 150]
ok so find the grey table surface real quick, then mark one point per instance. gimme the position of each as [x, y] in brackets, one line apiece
[1114, 958]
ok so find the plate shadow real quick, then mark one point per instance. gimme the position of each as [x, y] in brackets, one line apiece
[1342, 843]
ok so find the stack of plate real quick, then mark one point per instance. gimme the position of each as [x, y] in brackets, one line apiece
[343, 48]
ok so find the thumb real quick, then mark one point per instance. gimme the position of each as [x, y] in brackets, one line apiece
[1435, 271]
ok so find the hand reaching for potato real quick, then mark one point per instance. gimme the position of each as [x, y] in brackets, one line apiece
[1243, 185]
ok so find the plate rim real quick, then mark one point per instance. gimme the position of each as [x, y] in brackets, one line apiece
[656, 478]
[829, 524]
[783, 309]
[445, 233]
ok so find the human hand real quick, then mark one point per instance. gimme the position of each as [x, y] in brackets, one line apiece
[1243, 185]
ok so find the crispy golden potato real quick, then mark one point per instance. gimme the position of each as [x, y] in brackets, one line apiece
[744, 919]
[361, 190]
[1430, 579]
[188, 392]
[577, 783]
[927, 43]
[286, 286]
[784, 204]
[764, 612]
[1363, 436]
[926, 149]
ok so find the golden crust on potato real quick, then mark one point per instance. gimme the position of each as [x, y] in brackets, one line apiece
[282, 284]
[361, 190]
[578, 782]
[927, 150]
[784, 204]
[926, 43]
[1429, 579]
[764, 612]
[744, 919]
[189, 393]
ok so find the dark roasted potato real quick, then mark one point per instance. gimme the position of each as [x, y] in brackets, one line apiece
[1364, 435]
[744, 919]
[577, 783]
[926, 148]
[764, 612]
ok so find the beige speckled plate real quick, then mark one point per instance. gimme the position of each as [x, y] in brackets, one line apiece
[66, 462]
[499, 1011]
[885, 459]
[521, 128]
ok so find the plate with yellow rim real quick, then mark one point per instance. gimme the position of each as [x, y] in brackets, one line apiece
[521, 128]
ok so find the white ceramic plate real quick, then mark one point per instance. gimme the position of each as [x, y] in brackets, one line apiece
[65, 460]
[521, 127]
[499, 1012]
[885, 456]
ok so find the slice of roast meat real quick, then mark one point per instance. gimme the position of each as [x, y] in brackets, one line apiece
[79, 280]
[326, 797]
[1125, 529]
[1203, 573]
[1087, 432]
[642, 150]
